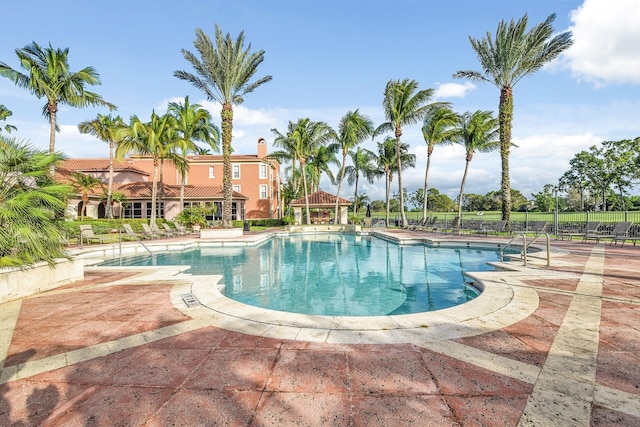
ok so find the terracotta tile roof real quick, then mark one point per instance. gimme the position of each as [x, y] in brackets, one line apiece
[321, 198]
[99, 165]
[142, 190]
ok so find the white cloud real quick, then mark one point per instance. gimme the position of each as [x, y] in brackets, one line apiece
[453, 90]
[606, 37]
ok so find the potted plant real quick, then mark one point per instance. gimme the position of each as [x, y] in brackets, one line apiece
[195, 216]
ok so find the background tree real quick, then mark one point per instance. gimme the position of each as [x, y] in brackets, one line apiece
[362, 164]
[577, 177]
[193, 123]
[477, 131]
[49, 77]
[319, 163]
[105, 128]
[388, 163]
[5, 113]
[84, 184]
[32, 206]
[353, 129]
[513, 55]
[224, 72]
[403, 105]
[438, 128]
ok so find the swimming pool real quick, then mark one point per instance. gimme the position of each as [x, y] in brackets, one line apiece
[335, 274]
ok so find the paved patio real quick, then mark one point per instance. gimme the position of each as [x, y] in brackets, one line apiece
[122, 348]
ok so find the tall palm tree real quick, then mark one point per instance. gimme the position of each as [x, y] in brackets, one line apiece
[363, 162]
[437, 129]
[287, 154]
[83, 184]
[320, 163]
[32, 206]
[513, 55]
[49, 77]
[156, 138]
[388, 163]
[477, 131]
[5, 113]
[353, 129]
[403, 105]
[223, 73]
[105, 128]
[193, 123]
[302, 141]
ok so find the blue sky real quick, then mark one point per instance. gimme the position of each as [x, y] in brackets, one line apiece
[329, 57]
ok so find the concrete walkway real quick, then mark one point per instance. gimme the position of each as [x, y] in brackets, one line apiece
[555, 345]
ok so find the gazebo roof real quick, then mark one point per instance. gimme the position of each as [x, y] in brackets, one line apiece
[321, 199]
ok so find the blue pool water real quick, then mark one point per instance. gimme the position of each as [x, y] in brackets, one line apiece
[335, 274]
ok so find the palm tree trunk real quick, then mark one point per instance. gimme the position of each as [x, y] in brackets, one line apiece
[387, 176]
[53, 109]
[109, 207]
[426, 184]
[505, 118]
[403, 217]
[227, 129]
[154, 191]
[355, 197]
[464, 179]
[344, 160]
[306, 192]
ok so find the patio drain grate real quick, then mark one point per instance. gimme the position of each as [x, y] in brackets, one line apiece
[190, 300]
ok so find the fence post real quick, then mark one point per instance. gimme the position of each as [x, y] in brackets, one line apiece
[555, 214]
[587, 217]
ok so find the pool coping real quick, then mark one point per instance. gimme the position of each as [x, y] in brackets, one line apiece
[504, 300]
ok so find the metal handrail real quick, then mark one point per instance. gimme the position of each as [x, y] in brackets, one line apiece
[525, 246]
[135, 237]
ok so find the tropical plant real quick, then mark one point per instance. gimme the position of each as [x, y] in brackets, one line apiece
[224, 73]
[195, 215]
[479, 132]
[403, 105]
[301, 142]
[5, 113]
[32, 206]
[84, 184]
[49, 77]
[157, 138]
[363, 162]
[105, 128]
[319, 164]
[353, 129]
[513, 55]
[438, 128]
[388, 163]
[193, 123]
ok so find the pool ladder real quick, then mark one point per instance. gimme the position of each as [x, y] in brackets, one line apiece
[136, 237]
[525, 246]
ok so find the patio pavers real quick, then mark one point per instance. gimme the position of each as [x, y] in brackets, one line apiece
[179, 371]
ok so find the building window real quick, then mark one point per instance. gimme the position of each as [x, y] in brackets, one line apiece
[263, 171]
[133, 210]
[236, 171]
[159, 210]
[263, 191]
[211, 170]
[236, 188]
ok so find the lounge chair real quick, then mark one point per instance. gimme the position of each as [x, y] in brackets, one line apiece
[171, 231]
[148, 233]
[626, 235]
[588, 228]
[86, 233]
[453, 227]
[161, 233]
[380, 223]
[619, 232]
[131, 233]
[539, 227]
[497, 227]
[180, 229]
[366, 223]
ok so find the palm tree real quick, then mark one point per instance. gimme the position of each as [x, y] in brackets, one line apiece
[362, 163]
[353, 129]
[302, 142]
[193, 123]
[223, 73]
[388, 163]
[105, 129]
[319, 163]
[437, 129]
[49, 77]
[476, 132]
[287, 153]
[4, 114]
[513, 55]
[83, 184]
[32, 206]
[156, 138]
[403, 106]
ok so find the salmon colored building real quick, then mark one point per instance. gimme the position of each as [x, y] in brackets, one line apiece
[255, 181]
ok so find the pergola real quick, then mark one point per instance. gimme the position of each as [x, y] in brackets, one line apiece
[321, 204]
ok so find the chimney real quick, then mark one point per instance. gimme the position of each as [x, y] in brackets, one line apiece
[262, 148]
